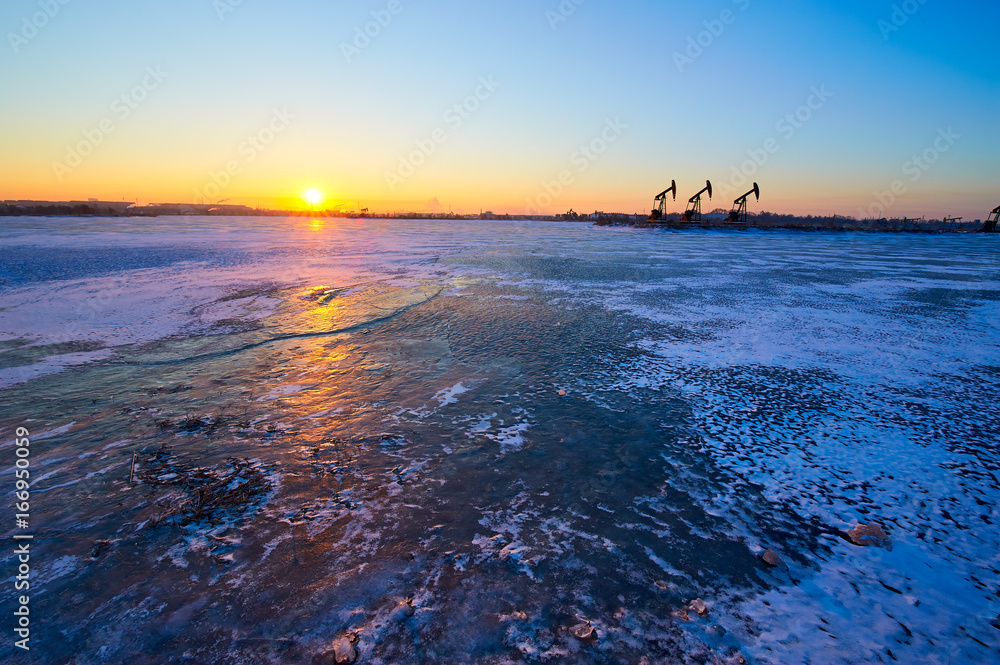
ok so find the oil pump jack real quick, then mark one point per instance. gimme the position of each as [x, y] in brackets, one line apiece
[991, 223]
[738, 215]
[661, 202]
[693, 212]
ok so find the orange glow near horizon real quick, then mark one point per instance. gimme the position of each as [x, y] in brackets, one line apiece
[602, 188]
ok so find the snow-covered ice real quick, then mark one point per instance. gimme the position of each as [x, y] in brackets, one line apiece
[351, 427]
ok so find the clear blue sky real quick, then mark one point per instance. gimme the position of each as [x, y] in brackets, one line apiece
[354, 119]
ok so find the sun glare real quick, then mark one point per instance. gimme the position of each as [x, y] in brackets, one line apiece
[313, 197]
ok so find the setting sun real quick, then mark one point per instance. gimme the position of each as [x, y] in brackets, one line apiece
[313, 197]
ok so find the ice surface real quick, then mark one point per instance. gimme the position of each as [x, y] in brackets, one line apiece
[387, 395]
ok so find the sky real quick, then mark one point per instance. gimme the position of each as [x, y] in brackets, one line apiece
[866, 108]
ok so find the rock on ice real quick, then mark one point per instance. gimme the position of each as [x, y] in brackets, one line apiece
[344, 652]
[866, 535]
[584, 632]
[771, 558]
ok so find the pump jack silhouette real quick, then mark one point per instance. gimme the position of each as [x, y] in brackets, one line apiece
[661, 210]
[693, 212]
[991, 223]
[738, 215]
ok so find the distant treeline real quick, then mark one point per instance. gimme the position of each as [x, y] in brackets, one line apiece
[776, 220]
[82, 210]
[715, 219]
[772, 220]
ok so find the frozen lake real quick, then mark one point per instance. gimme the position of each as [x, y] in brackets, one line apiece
[457, 441]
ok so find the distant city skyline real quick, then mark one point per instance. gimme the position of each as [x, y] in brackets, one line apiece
[862, 108]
